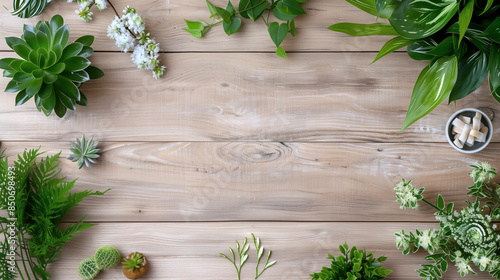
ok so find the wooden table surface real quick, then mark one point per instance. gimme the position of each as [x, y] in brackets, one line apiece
[233, 140]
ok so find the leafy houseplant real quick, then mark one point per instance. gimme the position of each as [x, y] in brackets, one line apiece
[29, 8]
[353, 264]
[461, 39]
[135, 265]
[49, 70]
[243, 256]
[36, 202]
[284, 10]
[464, 236]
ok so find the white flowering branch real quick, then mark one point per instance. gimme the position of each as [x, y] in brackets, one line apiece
[129, 32]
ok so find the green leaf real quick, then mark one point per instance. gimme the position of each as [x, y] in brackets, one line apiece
[57, 68]
[392, 45]
[66, 101]
[76, 63]
[488, 6]
[494, 67]
[230, 8]
[62, 36]
[419, 50]
[493, 31]
[78, 76]
[29, 67]
[432, 87]
[195, 28]
[12, 41]
[290, 7]
[87, 40]
[281, 16]
[71, 50]
[22, 51]
[22, 98]
[369, 6]
[280, 51]
[49, 78]
[381, 5]
[419, 19]
[233, 27]
[34, 86]
[472, 71]
[243, 7]
[86, 52]
[256, 12]
[60, 109]
[48, 104]
[5, 63]
[30, 38]
[45, 91]
[83, 100]
[291, 27]
[13, 86]
[278, 32]
[440, 202]
[473, 34]
[356, 29]
[212, 9]
[464, 18]
[42, 40]
[56, 22]
[444, 48]
[94, 72]
[67, 87]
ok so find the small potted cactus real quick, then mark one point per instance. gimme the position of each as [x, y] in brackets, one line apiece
[135, 265]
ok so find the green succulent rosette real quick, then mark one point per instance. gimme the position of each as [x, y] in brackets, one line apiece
[49, 69]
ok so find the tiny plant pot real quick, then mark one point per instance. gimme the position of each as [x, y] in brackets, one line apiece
[135, 265]
[477, 146]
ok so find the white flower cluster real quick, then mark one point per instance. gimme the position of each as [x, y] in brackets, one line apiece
[129, 32]
[85, 5]
[482, 172]
[408, 195]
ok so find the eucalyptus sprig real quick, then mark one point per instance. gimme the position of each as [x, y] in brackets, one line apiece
[283, 10]
[459, 38]
[464, 237]
[242, 258]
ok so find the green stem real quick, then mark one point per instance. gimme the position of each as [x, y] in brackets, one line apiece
[435, 207]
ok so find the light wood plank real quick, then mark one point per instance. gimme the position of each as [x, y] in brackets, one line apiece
[264, 181]
[244, 97]
[165, 20]
[191, 250]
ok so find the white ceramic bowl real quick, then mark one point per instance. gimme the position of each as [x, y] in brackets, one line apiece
[478, 146]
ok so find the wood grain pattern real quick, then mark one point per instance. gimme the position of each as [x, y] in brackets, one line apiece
[165, 20]
[244, 97]
[187, 251]
[265, 181]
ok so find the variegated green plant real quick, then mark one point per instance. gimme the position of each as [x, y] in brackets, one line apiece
[49, 69]
[460, 38]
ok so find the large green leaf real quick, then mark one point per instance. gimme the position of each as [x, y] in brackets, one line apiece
[472, 71]
[355, 29]
[494, 78]
[67, 87]
[392, 45]
[419, 50]
[94, 72]
[381, 5]
[290, 7]
[258, 9]
[232, 27]
[444, 48]
[278, 32]
[85, 40]
[432, 87]
[369, 6]
[417, 19]
[493, 31]
[464, 18]
[473, 34]
[71, 50]
[76, 63]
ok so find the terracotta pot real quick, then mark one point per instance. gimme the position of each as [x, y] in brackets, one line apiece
[138, 272]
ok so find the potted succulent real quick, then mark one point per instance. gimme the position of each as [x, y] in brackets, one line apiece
[135, 265]
[460, 39]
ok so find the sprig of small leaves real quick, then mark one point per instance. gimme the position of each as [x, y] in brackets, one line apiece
[243, 256]
[353, 264]
[283, 10]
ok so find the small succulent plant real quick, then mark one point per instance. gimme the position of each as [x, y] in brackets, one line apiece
[49, 69]
[107, 257]
[134, 262]
[88, 269]
[84, 152]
